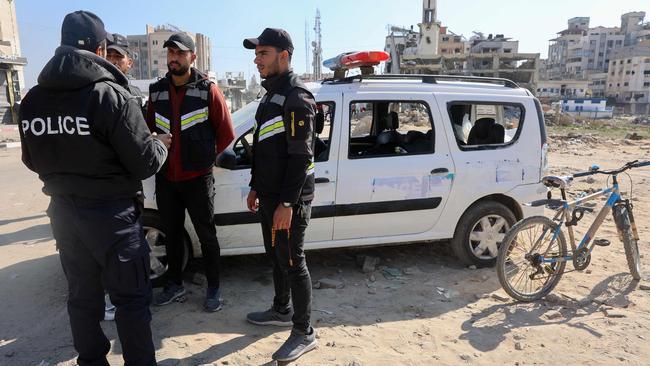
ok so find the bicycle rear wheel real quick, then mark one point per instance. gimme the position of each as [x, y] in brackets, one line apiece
[520, 272]
[622, 219]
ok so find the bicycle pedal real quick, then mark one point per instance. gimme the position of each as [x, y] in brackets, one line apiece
[602, 242]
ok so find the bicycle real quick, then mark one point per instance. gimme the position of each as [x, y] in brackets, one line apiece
[533, 254]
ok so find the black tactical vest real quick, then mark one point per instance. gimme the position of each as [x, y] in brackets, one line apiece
[270, 148]
[197, 136]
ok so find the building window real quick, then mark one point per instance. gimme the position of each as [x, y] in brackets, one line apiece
[626, 84]
[629, 61]
[646, 84]
[155, 62]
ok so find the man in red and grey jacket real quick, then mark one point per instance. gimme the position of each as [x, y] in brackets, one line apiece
[188, 105]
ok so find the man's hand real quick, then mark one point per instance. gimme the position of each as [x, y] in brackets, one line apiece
[251, 201]
[282, 218]
[165, 139]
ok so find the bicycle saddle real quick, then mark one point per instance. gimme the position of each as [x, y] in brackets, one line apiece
[554, 181]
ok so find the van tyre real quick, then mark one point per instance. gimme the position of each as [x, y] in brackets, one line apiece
[154, 232]
[480, 231]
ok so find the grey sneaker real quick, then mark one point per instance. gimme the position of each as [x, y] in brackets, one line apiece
[271, 317]
[297, 345]
[170, 293]
[212, 300]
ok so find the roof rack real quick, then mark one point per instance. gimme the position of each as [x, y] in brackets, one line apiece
[430, 79]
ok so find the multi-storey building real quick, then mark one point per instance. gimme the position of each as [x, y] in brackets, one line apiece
[628, 78]
[151, 59]
[12, 62]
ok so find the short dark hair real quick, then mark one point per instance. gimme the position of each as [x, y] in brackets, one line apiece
[279, 49]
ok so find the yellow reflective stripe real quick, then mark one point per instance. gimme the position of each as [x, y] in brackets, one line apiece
[194, 118]
[293, 124]
[162, 123]
[311, 166]
[272, 127]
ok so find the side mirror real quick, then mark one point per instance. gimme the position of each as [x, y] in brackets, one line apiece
[227, 160]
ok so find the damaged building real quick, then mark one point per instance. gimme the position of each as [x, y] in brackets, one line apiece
[434, 49]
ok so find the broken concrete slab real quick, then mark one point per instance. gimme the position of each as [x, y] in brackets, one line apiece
[370, 264]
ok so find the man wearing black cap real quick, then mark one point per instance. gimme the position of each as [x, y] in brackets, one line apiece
[84, 134]
[190, 106]
[282, 187]
[119, 54]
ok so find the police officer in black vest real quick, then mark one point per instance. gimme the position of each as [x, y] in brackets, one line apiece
[282, 187]
[119, 54]
[85, 136]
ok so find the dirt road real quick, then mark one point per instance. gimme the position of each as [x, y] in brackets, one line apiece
[418, 308]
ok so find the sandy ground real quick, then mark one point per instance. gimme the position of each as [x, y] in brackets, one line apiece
[418, 308]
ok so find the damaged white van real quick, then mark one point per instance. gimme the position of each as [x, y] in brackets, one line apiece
[399, 159]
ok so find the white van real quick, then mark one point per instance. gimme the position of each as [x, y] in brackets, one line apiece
[399, 159]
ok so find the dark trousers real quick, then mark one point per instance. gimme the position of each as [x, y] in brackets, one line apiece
[290, 277]
[197, 196]
[102, 247]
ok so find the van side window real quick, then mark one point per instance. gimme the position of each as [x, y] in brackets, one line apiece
[322, 138]
[323, 130]
[483, 125]
[390, 128]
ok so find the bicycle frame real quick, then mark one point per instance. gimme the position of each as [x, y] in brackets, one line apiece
[565, 214]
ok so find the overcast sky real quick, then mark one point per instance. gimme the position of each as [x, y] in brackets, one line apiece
[346, 25]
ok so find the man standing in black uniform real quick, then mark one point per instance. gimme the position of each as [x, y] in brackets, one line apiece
[190, 106]
[84, 134]
[119, 54]
[282, 187]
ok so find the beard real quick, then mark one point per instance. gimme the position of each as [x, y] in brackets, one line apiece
[181, 70]
[272, 69]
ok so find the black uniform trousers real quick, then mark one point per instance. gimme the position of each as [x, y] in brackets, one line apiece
[197, 196]
[290, 273]
[102, 247]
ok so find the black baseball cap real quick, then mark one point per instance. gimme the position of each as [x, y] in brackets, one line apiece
[181, 41]
[119, 44]
[84, 30]
[271, 37]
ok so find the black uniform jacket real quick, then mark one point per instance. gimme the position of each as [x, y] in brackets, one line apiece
[83, 132]
[283, 142]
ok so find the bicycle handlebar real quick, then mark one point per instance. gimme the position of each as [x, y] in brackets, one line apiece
[627, 166]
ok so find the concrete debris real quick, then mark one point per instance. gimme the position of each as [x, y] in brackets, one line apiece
[644, 287]
[391, 273]
[613, 313]
[370, 264]
[412, 271]
[329, 283]
[554, 314]
[519, 346]
[500, 298]
[618, 302]
[472, 267]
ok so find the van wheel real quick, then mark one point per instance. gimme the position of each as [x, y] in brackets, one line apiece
[154, 232]
[480, 231]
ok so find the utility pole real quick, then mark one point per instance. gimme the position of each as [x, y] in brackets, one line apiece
[307, 59]
[318, 50]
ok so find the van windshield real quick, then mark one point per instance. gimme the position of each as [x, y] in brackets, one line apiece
[244, 114]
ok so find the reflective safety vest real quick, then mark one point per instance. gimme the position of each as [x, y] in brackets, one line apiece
[270, 136]
[197, 136]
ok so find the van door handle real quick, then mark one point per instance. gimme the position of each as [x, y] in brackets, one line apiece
[322, 180]
[440, 170]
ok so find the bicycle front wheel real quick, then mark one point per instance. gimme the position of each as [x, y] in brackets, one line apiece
[622, 218]
[521, 272]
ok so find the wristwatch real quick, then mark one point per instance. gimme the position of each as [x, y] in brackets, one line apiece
[287, 204]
